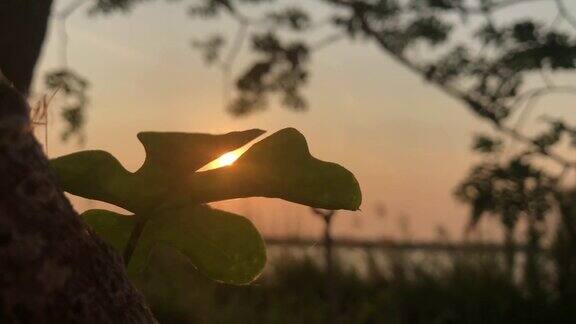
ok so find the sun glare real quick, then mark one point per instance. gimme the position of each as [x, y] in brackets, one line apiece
[227, 159]
[224, 160]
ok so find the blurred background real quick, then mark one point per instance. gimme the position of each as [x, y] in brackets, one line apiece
[378, 119]
[455, 116]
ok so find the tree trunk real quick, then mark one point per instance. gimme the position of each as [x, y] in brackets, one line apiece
[23, 25]
[53, 268]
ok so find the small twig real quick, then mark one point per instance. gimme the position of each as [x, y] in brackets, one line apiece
[40, 115]
[563, 173]
[230, 59]
[556, 20]
[327, 41]
[62, 18]
[523, 138]
[488, 6]
[542, 91]
[566, 14]
[326, 214]
[546, 78]
[530, 104]
[320, 24]
[71, 8]
[495, 6]
[523, 115]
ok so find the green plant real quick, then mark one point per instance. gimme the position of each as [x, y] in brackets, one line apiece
[171, 225]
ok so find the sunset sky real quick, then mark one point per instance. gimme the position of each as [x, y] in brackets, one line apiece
[407, 143]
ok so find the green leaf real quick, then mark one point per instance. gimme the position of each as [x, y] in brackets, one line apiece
[114, 228]
[180, 154]
[168, 194]
[280, 166]
[170, 158]
[221, 245]
[96, 175]
[173, 288]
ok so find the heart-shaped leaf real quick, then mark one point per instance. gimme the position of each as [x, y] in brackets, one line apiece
[173, 288]
[175, 155]
[97, 175]
[170, 158]
[221, 245]
[168, 194]
[280, 166]
[114, 228]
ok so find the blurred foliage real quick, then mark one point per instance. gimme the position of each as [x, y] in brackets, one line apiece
[517, 188]
[211, 47]
[437, 289]
[172, 223]
[487, 144]
[508, 190]
[486, 71]
[74, 89]
[280, 69]
[462, 47]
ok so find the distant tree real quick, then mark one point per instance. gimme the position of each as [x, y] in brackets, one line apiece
[517, 187]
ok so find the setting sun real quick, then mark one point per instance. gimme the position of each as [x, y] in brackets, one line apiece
[224, 160]
[227, 159]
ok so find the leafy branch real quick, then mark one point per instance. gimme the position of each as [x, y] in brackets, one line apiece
[168, 198]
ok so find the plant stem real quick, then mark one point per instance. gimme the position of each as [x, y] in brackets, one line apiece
[133, 240]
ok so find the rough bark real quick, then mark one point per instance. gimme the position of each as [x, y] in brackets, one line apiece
[23, 25]
[53, 268]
